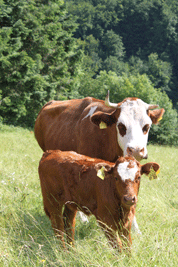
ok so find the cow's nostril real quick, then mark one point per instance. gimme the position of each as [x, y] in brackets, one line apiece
[142, 150]
[133, 199]
[130, 149]
[125, 199]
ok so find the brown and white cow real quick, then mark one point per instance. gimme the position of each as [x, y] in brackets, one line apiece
[96, 128]
[70, 181]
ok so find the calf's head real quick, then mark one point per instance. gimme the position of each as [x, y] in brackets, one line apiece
[127, 173]
[132, 119]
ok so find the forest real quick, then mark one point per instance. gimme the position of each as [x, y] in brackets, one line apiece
[55, 49]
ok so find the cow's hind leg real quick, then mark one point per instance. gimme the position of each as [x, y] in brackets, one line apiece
[57, 222]
[69, 224]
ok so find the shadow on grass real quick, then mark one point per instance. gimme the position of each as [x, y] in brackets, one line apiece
[33, 232]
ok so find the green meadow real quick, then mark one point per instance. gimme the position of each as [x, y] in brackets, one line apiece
[27, 238]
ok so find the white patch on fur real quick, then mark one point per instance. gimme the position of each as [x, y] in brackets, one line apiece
[134, 116]
[90, 113]
[125, 172]
[135, 227]
[83, 217]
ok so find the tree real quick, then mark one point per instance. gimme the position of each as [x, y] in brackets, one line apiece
[39, 58]
[147, 29]
[158, 71]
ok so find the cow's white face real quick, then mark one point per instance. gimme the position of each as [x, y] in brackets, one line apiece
[132, 119]
[133, 127]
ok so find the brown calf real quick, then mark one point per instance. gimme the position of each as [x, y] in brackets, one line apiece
[70, 180]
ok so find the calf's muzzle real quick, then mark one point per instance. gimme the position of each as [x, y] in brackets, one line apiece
[129, 200]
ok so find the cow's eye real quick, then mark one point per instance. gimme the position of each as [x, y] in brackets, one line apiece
[122, 129]
[145, 128]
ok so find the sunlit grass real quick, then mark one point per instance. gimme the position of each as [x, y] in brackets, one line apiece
[26, 235]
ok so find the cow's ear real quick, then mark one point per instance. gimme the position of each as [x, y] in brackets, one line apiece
[148, 167]
[103, 120]
[156, 115]
[102, 169]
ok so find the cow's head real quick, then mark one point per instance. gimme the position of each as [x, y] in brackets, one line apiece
[126, 173]
[132, 119]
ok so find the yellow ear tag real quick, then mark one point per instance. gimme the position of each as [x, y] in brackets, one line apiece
[153, 175]
[102, 125]
[158, 171]
[160, 119]
[100, 173]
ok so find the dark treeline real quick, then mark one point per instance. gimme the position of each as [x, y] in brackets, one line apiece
[135, 36]
[56, 50]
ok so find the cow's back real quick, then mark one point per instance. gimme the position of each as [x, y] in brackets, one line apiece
[66, 125]
[55, 126]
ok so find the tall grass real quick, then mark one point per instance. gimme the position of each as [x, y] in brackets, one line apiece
[26, 235]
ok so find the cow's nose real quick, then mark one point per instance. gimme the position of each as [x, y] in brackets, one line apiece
[130, 200]
[136, 153]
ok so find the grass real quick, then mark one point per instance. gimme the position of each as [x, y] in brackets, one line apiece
[26, 235]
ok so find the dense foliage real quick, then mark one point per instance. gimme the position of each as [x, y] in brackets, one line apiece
[38, 57]
[56, 50]
[132, 36]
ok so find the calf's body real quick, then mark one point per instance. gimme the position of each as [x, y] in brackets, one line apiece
[70, 180]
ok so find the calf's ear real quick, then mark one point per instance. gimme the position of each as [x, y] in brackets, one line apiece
[103, 120]
[148, 167]
[156, 115]
[102, 169]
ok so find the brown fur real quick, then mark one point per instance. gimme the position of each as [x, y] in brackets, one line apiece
[70, 180]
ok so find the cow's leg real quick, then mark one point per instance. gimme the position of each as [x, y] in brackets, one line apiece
[112, 236]
[135, 227]
[57, 224]
[69, 224]
[54, 212]
[125, 236]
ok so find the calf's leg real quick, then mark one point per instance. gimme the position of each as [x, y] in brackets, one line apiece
[53, 208]
[57, 223]
[112, 236]
[69, 223]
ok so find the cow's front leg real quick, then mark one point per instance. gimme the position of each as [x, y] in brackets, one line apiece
[125, 235]
[112, 236]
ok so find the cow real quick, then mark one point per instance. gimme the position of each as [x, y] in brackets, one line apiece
[96, 128]
[109, 191]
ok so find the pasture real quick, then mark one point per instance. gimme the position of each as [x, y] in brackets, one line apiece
[27, 238]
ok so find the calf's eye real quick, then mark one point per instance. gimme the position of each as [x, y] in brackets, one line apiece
[145, 128]
[122, 129]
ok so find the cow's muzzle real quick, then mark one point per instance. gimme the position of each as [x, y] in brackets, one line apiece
[129, 200]
[137, 153]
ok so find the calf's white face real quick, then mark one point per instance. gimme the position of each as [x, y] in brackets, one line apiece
[127, 172]
[133, 127]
